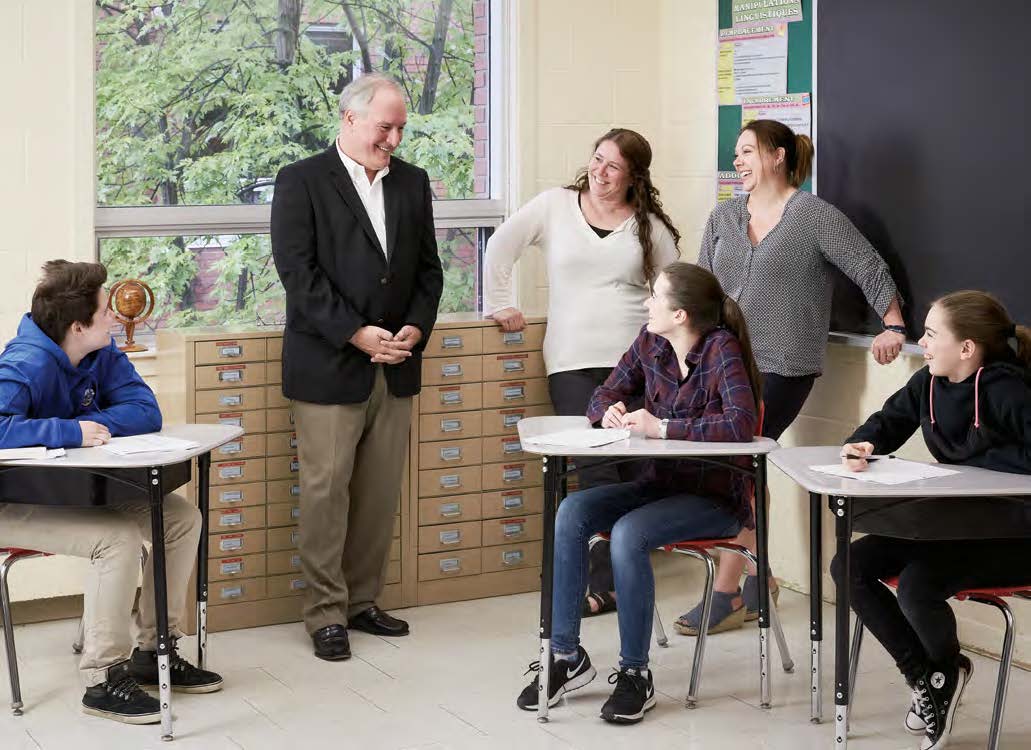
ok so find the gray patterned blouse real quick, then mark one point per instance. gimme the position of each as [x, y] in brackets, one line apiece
[784, 284]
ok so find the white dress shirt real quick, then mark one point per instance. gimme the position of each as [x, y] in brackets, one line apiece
[370, 193]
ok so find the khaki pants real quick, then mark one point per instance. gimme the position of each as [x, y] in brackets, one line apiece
[352, 458]
[112, 538]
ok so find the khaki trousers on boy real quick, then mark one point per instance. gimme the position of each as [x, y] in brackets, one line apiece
[112, 538]
[352, 457]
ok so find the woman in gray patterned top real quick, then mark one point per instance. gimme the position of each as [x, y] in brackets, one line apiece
[772, 250]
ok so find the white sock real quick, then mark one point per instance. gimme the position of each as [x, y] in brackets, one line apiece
[571, 656]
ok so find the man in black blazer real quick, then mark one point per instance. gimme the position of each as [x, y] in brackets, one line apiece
[354, 244]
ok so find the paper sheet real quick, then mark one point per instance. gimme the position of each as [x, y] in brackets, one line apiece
[888, 471]
[34, 452]
[752, 62]
[581, 438]
[125, 446]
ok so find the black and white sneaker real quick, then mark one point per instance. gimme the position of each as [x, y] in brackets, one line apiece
[938, 693]
[121, 699]
[913, 723]
[186, 678]
[634, 694]
[566, 676]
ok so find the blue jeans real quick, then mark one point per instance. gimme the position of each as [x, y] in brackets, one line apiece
[639, 519]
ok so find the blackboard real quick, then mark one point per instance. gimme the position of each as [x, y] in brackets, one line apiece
[921, 141]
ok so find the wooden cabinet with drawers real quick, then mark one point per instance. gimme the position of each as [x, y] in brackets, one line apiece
[468, 523]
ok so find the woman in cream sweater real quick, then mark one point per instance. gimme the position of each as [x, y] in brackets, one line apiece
[605, 238]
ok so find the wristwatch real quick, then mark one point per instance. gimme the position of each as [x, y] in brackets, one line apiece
[663, 424]
[896, 329]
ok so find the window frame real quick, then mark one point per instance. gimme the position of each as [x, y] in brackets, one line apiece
[156, 221]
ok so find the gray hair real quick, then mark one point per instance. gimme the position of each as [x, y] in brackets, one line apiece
[357, 95]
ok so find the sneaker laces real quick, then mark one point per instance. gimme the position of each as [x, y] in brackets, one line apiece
[534, 666]
[924, 705]
[626, 682]
[125, 688]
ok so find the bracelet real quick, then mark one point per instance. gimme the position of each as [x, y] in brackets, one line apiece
[896, 329]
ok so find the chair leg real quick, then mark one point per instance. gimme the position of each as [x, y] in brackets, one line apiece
[1005, 661]
[12, 655]
[853, 665]
[703, 631]
[80, 637]
[660, 632]
[782, 644]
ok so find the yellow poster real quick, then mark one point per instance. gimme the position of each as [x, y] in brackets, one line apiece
[752, 62]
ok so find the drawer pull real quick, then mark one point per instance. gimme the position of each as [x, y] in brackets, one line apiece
[295, 490]
[511, 420]
[453, 536]
[291, 416]
[293, 442]
[230, 351]
[512, 557]
[230, 519]
[450, 510]
[295, 561]
[514, 502]
[512, 475]
[230, 376]
[230, 472]
[230, 496]
[513, 365]
[451, 342]
[230, 568]
[234, 400]
[512, 446]
[510, 530]
[450, 565]
[232, 592]
[234, 447]
[451, 480]
[451, 397]
[451, 371]
[231, 421]
[294, 536]
[297, 584]
[451, 425]
[453, 453]
[295, 513]
[514, 338]
[513, 392]
[295, 465]
[231, 543]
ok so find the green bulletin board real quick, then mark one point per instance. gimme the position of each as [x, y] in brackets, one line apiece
[800, 79]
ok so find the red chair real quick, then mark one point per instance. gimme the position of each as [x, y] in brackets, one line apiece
[11, 556]
[992, 596]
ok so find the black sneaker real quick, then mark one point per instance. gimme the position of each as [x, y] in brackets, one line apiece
[634, 694]
[566, 676]
[121, 699]
[938, 694]
[186, 678]
[913, 723]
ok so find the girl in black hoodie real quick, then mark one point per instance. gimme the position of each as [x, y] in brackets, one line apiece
[972, 404]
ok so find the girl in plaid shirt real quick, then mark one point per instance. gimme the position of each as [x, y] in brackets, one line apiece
[692, 363]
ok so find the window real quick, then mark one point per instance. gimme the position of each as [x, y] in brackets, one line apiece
[200, 102]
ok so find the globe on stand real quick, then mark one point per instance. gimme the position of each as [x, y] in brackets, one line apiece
[132, 302]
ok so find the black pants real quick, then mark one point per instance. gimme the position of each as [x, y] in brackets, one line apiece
[918, 628]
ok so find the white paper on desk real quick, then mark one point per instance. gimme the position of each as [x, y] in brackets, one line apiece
[33, 453]
[580, 438]
[888, 471]
[152, 443]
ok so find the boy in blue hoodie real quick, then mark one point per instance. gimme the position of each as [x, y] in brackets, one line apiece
[64, 384]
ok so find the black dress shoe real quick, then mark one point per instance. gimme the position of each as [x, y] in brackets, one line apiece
[374, 620]
[331, 643]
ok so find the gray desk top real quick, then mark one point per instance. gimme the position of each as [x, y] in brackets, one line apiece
[969, 482]
[634, 446]
[208, 435]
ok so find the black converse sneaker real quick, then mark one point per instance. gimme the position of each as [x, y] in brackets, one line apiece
[121, 699]
[186, 678]
[914, 724]
[938, 693]
[566, 675]
[634, 694]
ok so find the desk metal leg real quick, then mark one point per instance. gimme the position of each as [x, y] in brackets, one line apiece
[203, 475]
[554, 468]
[762, 556]
[815, 604]
[157, 532]
[842, 509]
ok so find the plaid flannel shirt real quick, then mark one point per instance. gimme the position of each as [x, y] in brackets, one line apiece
[714, 403]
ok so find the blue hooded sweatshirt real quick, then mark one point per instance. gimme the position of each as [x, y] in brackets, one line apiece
[43, 398]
